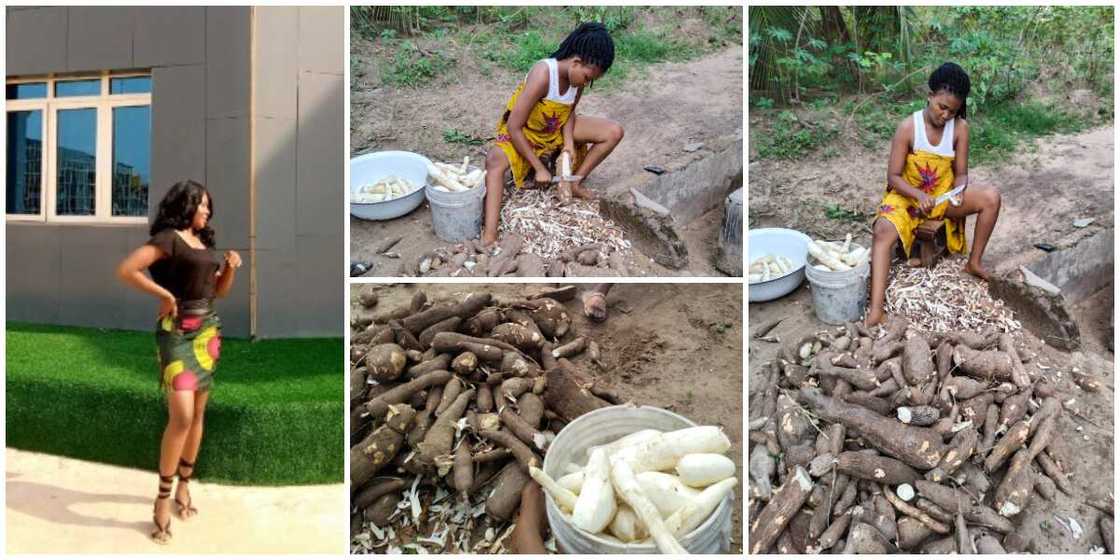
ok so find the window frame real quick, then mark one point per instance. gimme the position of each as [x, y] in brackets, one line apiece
[104, 103]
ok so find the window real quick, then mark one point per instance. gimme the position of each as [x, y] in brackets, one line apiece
[79, 149]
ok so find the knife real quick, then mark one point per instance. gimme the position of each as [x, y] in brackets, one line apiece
[937, 201]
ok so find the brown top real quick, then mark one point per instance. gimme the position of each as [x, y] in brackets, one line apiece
[188, 273]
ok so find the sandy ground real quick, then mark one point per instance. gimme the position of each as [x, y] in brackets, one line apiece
[674, 346]
[1057, 180]
[64, 506]
[664, 108]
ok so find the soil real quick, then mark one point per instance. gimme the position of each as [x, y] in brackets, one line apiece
[57, 505]
[662, 109]
[1055, 181]
[657, 341]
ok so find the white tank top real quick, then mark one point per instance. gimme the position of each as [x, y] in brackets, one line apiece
[921, 142]
[569, 96]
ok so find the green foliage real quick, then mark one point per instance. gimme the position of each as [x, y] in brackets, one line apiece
[412, 67]
[790, 138]
[614, 18]
[275, 415]
[456, 136]
[527, 48]
[1004, 128]
[841, 214]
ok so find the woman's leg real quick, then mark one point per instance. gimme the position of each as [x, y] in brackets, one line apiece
[496, 165]
[604, 135]
[984, 201]
[883, 238]
[190, 453]
[180, 409]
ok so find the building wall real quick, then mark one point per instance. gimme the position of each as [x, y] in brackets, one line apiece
[200, 63]
[298, 122]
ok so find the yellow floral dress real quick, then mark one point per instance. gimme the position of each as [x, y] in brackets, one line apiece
[929, 169]
[543, 129]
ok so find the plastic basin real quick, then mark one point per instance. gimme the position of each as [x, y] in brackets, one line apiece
[370, 168]
[788, 243]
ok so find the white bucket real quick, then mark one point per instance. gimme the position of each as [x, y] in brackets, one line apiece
[456, 216]
[605, 425]
[839, 296]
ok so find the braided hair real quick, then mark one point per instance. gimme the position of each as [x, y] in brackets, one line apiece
[951, 78]
[591, 43]
[177, 209]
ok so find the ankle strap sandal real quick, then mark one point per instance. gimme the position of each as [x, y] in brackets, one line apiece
[185, 509]
[162, 532]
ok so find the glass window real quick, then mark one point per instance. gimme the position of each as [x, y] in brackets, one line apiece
[132, 84]
[76, 162]
[131, 160]
[25, 161]
[75, 88]
[31, 90]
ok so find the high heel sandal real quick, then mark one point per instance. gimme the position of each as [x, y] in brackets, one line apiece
[185, 508]
[162, 533]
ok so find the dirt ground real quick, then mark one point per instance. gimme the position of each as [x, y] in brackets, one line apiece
[674, 346]
[1059, 179]
[666, 107]
[58, 505]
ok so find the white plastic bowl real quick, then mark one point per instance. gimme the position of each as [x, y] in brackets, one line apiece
[370, 168]
[788, 243]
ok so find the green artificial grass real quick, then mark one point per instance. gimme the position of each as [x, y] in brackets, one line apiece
[275, 414]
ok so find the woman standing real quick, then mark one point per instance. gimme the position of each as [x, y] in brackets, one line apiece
[186, 276]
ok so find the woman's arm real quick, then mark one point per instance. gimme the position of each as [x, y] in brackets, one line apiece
[536, 87]
[227, 275]
[900, 146]
[960, 153]
[131, 272]
[569, 129]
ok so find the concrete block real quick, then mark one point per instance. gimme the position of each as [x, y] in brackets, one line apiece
[1044, 314]
[227, 178]
[178, 129]
[699, 181]
[100, 38]
[1081, 269]
[321, 155]
[322, 46]
[36, 40]
[33, 272]
[170, 36]
[275, 167]
[276, 62]
[228, 61]
[652, 233]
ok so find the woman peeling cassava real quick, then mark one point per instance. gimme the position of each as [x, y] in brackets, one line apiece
[186, 277]
[540, 120]
[929, 157]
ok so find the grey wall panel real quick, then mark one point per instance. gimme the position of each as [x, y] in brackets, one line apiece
[33, 265]
[228, 66]
[99, 38]
[276, 61]
[36, 41]
[321, 39]
[91, 293]
[321, 284]
[276, 183]
[227, 178]
[234, 308]
[169, 35]
[320, 196]
[278, 306]
[178, 129]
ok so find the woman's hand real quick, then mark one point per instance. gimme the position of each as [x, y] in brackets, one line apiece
[233, 260]
[168, 307]
[543, 177]
[925, 203]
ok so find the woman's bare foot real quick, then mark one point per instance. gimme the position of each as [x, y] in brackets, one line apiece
[489, 239]
[183, 502]
[161, 517]
[595, 306]
[874, 317]
[579, 192]
[976, 270]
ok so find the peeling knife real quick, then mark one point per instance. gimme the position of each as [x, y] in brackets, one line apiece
[937, 201]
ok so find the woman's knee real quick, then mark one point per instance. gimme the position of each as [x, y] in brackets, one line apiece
[496, 161]
[181, 422]
[883, 231]
[615, 133]
[992, 198]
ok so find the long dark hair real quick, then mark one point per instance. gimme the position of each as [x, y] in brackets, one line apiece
[950, 77]
[591, 42]
[178, 207]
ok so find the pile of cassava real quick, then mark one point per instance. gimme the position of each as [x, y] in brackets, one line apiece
[509, 258]
[890, 440]
[452, 404]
